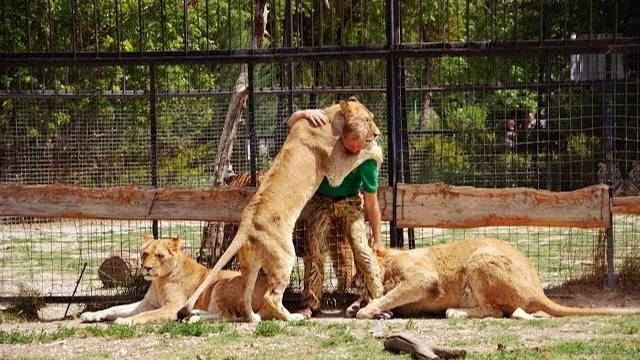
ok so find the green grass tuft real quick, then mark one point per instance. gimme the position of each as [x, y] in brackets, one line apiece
[268, 328]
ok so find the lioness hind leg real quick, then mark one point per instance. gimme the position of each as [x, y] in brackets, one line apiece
[278, 273]
[249, 268]
[420, 286]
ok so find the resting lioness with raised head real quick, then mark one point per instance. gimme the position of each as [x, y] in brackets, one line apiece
[174, 276]
[264, 237]
[469, 278]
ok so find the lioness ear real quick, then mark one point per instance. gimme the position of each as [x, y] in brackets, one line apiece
[344, 107]
[175, 243]
[353, 98]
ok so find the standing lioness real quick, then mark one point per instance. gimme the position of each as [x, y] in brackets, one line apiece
[475, 278]
[264, 237]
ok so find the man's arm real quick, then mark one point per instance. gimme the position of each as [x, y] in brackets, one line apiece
[316, 117]
[372, 211]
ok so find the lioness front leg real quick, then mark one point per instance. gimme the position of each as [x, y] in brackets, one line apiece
[115, 312]
[419, 287]
[161, 315]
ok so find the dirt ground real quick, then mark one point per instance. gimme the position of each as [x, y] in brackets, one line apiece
[476, 336]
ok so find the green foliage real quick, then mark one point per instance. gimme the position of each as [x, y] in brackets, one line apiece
[29, 305]
[178, 329]
[583, 145]
[268, 328]
[112, 331]
[25, 337]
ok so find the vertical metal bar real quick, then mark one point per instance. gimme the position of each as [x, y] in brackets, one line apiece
[608, 153]
[251, 119]
[206, 9]
[95, 26]
[140, 28]
[185, 25]
[392, 116]
[541, 27]
[288, 42]
[163, 25]
[153, 122]
[118, 30]
[28, 35]
[4, 25]
[73, 26]
[230, 44]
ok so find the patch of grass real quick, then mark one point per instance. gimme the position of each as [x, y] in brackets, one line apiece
[22, 337]
[579, 349]
[627, 325]
[9, 318]
[411, 324]
[112, 331]
[29, 306]
[339, 337]
[268, 328]
[303, 323]
[176, 329]
[604, 349]
[506, 339]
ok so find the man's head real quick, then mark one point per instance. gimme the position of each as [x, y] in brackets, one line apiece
[359, 126]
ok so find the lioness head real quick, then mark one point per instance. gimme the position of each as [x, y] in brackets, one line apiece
[359, 127]
[159, 257]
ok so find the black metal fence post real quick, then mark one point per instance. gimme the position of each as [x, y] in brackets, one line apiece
[608, 153]
[251, 122]
[393, 114]
[153, 124]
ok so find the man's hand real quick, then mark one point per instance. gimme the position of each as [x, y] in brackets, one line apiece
[316, 117]
[377, 248]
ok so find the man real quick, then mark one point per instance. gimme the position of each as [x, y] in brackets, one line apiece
[348, 206]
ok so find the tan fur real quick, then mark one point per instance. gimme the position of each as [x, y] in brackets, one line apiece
[264, 237]
[174, 276]
[475, 278]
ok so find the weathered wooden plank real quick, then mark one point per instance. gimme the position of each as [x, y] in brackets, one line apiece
[118, 203]
[626, 205]
[441, 205]
[207, 204]
[435, 205]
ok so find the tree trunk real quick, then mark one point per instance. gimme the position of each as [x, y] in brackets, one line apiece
[425, 114]
[212, 232]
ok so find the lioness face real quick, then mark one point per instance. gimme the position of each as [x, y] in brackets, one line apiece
[158, 257]
[355, 110]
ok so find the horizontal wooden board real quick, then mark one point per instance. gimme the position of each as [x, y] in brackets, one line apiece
[433, 205]
[626, 205]
[445, 206]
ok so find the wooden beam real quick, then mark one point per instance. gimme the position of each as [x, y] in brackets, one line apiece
[133, 203]
[445, 206]
[435, 205]
[626, 205]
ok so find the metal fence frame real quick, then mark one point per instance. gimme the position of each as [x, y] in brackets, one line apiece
[394, 52]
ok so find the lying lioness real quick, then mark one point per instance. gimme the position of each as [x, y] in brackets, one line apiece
[174, 276]
[470, 278]
[264, 237]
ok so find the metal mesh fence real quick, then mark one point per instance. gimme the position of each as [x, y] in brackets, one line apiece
[490, 94]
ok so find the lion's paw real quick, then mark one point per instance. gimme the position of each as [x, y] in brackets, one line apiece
[255, 318]
[456, 314]
[521, 314]
[193, 319]
[353, 309]
[90, 316]
[123, 321]
[296, 317]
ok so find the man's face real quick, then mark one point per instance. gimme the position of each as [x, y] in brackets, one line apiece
[353, 143]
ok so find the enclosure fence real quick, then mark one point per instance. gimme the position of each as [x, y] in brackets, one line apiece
[525, 99]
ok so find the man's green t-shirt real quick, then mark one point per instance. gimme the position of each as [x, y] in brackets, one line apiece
[363, 177]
